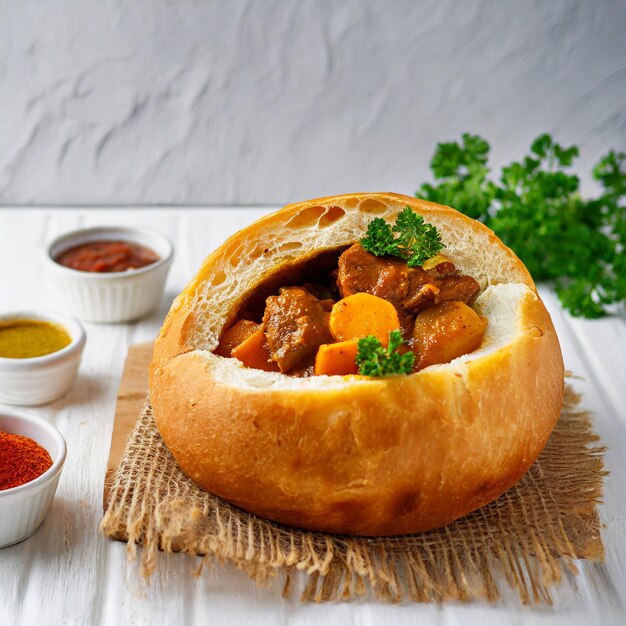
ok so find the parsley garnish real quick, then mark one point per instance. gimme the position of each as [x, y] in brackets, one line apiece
[416, 240]
[536, 209]
[373, 359]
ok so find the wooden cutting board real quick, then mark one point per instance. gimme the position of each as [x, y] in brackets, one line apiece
[130, 399]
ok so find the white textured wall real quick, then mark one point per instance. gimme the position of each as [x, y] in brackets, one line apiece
[196, 101]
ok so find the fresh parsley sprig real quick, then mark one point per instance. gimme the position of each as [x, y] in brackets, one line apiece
[410, 238]
[373, 359]
[535, 207]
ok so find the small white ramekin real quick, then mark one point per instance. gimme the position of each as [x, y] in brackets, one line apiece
[110, 296]
[41, 379]
[23, 508]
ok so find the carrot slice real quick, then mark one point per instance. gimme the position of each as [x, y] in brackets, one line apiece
[363, 314]
[253, 352]
[337, 359]
[235, 335]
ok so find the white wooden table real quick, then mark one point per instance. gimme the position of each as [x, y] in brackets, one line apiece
[68, 573]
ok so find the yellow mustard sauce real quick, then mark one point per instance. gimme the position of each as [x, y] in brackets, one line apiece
[25, 339]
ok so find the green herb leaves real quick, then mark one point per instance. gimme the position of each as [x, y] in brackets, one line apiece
[536, 209]
[410, 238]
[379, 239]
[373, 359]
[462, 170]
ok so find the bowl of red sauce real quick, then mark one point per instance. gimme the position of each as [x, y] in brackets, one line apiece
[107, 256]
[32, 454]
[109, 274]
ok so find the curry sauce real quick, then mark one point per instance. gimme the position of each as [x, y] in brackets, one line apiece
[26, 339]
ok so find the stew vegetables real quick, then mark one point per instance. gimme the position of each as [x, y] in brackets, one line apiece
[392, 305]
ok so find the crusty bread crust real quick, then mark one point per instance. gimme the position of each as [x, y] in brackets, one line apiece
[351, 454]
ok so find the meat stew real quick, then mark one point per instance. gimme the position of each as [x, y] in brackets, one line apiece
[289, 324]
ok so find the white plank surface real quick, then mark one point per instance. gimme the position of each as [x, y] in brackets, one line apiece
[68, 573]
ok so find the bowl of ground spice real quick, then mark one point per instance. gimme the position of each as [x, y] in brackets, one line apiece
[32, 454]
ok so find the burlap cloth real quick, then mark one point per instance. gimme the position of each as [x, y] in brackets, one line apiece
[528, 537]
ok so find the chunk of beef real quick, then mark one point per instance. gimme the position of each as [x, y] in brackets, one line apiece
[384, 277]
[295, 325]
[321, 292]
[443, 269]
[457, 287]
[410, 289]
[426, 295]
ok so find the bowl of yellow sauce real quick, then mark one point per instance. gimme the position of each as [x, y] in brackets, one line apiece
[26, 339]
[40, 354]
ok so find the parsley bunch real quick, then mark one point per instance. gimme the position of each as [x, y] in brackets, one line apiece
[462, 171]
[373, 359]
[536, 209]
[409, 238]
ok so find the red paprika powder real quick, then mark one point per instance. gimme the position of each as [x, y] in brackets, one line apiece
[21, 460]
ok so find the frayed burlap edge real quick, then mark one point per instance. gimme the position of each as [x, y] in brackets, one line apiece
[530, 535]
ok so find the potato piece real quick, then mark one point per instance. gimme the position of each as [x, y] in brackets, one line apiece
[235, 335]
[253, 352]
[363, 314]
[445, 332]
[337, 359]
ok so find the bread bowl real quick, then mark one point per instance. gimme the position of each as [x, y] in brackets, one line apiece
[355, 454]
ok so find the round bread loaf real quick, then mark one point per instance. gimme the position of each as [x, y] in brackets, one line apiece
[350, 454]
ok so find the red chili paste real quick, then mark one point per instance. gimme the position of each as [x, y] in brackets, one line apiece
[107, 256]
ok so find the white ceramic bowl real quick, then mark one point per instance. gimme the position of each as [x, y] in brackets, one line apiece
[41, 379]
[23, 508]
[110, 296]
